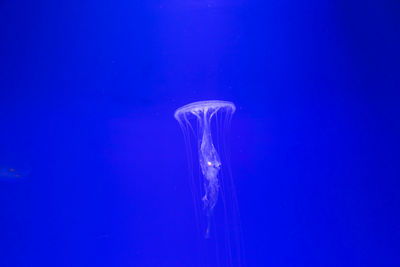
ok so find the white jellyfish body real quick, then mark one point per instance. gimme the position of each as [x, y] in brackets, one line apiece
[208, 123]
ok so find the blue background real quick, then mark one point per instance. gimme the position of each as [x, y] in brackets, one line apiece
[87, 95]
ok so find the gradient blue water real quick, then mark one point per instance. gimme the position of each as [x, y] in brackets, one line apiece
[87, 95]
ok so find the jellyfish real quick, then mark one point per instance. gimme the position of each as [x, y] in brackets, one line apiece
[13, 172]
[208, 123]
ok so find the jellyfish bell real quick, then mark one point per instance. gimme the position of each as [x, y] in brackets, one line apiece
[201, 107]
[207, 122]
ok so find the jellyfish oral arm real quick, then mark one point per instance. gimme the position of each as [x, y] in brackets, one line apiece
[210, 165]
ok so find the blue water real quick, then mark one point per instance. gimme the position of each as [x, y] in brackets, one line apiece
[87, 95]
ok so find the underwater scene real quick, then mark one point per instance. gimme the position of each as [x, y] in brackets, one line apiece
[209, 133]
